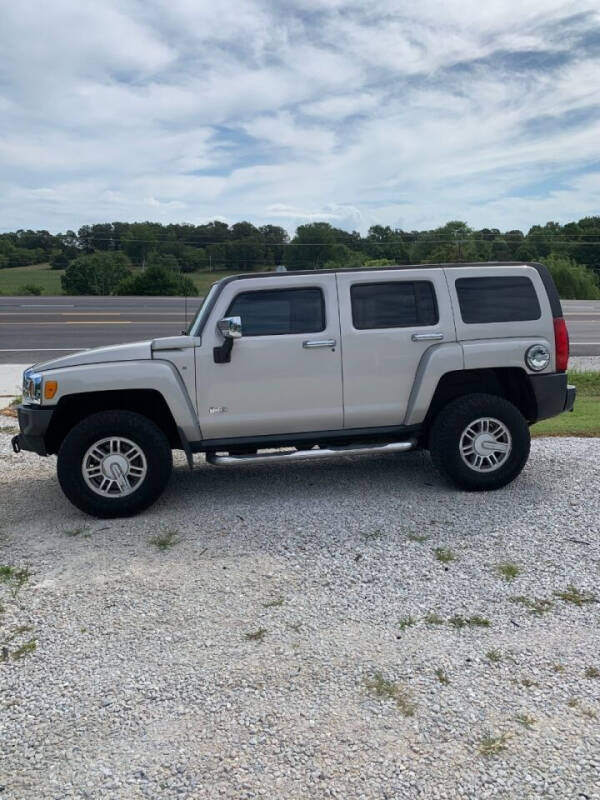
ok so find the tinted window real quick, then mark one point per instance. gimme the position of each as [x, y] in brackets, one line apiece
[397, 304]
[510, 299]
[279, 311]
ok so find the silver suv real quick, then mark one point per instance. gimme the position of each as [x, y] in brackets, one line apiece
[456, 358]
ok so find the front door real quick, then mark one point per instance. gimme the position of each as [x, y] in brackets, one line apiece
[389, 319]
[285, 372]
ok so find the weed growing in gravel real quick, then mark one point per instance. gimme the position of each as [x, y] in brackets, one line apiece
[14, 578]
[417, 537]
[442, 676]
[24, 649]
[433, 619]
[388, 690]
[559, 668]
[526, 720]
[535, 605]
[8, 429]
[369, 535]
[508, 570]
[74, 532]
[573, 702]
[573, 595]
[492, 745]
[164, 541]
[406, 622]
[587, 712]
[444, 555]
[256, 636]
[275, 602]
[475, 621]
[528, 683]
[294, 626]
[494, 656]
[592, 672]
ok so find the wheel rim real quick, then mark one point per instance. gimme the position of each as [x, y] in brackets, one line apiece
[485, 444]
[114, 467]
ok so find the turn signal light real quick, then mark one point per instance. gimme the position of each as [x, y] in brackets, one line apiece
[50, 389]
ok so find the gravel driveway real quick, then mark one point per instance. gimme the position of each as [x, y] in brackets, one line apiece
[351, 629]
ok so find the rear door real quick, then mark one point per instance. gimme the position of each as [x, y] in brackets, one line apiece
[389, 319]
[285, 373]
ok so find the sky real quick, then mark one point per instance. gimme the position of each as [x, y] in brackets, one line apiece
[396, 113]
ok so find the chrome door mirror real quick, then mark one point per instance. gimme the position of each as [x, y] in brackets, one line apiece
[230, 327]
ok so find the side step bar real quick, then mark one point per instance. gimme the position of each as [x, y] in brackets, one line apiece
[305, 455]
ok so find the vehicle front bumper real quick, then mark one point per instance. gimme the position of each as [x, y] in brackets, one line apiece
[553, 394]
[33, 424]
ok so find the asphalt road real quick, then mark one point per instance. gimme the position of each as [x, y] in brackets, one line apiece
[38, 328]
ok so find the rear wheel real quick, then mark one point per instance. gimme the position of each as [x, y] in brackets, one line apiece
[114, 464]
[480, 441]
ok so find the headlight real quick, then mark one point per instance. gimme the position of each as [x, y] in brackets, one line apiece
[32, 387]
[537, 357]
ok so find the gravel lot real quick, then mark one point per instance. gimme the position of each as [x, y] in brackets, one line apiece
[282, 648]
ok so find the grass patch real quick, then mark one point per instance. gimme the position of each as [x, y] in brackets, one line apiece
[585, 418]
[406, 622]
[592, 672]
[508, 570]
[164, 541]
[417, 537]
[526, 720]
[388, 690]
[560, 668]
[24, 650]
[442, 676]
[494, 655]
[256, 636]
[444, 555]
[433, 619]
[534, 605]
[14, 578]
[578, 598]
[370, 535]
[492, 745]
[8, 429]
[73, 532]
[474, 621]
[275, 602]
[13, 279]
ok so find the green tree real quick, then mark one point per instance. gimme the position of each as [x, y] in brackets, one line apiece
[139, 241]
[573, 281]
[311, 247]
[158, 281]
[95, 274]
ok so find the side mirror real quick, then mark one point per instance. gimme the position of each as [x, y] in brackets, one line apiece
[231, 329]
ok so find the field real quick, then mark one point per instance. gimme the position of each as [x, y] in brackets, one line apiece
[14, 279]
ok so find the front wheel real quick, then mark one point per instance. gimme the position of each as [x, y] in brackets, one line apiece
[114, 464]
[480, 441]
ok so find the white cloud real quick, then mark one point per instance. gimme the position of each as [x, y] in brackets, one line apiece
[320, 109]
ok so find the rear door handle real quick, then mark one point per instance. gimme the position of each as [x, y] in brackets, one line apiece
[427, 337]
[309, 343]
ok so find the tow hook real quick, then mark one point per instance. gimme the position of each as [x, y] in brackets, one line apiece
[16, 445]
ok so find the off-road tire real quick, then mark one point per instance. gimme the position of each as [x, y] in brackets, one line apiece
[134, 427]
[447, 429]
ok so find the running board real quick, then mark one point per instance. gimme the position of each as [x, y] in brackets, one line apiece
[305, 455]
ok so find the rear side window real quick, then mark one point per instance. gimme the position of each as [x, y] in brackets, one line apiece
[500, 299]
[397, 304]
[279, 311]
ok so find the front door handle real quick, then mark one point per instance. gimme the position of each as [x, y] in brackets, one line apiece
[427, 337]
[309, 343]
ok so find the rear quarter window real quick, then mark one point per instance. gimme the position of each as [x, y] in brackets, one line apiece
[497, 299]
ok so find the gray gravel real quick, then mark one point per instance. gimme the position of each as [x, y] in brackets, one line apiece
[143, 683]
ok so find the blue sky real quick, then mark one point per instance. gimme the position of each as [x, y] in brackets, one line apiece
[399, 113]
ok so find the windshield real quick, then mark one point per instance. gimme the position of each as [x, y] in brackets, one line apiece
[198, 322]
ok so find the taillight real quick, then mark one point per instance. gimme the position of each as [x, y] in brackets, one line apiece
[561, 343]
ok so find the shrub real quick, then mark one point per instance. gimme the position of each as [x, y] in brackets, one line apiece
[573, 280]
[157, 281]
[95, 274]
[30, 288]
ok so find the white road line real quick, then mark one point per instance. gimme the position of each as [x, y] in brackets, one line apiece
[47, 305]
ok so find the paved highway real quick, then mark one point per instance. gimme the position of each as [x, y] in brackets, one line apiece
[38, 328]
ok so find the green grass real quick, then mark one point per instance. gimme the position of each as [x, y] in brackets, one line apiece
[444, 555]
[388, 690]
[165, 540]
[585, 419]
[14, 278]
[474, 621]
[573, 595]
[508, 570]
[256, 636]
[492, 745]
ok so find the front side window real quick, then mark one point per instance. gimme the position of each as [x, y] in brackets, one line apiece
[497, 299]
[273, 312]
[394, 304]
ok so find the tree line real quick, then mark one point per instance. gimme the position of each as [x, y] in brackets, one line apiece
[100, 258]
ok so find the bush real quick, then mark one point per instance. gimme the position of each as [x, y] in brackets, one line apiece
[59, 261]
[96, 274]
[158, 281]
[30, 288]
[573, 280]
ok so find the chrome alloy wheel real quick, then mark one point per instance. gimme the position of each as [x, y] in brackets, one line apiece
[485, 444]
[114, 467]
